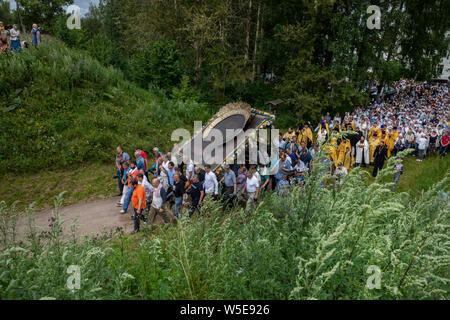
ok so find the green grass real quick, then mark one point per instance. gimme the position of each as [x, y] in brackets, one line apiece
[418, 176]
[82, 183]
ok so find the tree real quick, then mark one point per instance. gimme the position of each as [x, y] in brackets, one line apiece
[157, 63]
[43, 12]
[426, 38]
[5, 12]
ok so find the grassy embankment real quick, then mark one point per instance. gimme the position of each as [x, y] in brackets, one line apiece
[63, 114]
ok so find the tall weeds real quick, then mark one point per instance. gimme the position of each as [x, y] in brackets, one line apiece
[307, 245]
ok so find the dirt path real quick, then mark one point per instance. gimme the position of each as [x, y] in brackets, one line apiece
[92, 217]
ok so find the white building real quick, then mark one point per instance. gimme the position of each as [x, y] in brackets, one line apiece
[446, 70]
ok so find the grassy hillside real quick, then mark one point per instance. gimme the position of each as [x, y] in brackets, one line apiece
[61, 107]
[418, 176]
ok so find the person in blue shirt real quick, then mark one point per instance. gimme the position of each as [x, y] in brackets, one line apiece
[158, 167]
[284, 168]
[306, 158]
[283, 144]
[197, 193]
[120, 158]
[171, 173]
[292, 155]
[140, 163]
[283, 186]
[124, 181]
[36, 35]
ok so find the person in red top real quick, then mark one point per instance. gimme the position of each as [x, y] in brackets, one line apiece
[445, 143]
[139, 204]
[144, 156]
[132, 174]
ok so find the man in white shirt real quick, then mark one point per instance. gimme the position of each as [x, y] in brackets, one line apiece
[422, 145]
[190, 170]
[15, 38]
[340, 172]
[211, 185]
[300, 166]
[164, 178]
[251, 188]
[255, 173]
[142, 180]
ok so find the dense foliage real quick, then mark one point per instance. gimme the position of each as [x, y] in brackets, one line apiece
[63, 107]
[322, 52]
[315, 243]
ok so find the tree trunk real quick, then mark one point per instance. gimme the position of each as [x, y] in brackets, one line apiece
[247, 39]
[255, 49]
[261, 38]
[22, 27]
[198, 63]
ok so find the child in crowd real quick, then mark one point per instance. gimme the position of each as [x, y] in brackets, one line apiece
[283, 186]
[399, 168]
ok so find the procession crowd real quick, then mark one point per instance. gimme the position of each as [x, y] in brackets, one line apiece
[416, 117]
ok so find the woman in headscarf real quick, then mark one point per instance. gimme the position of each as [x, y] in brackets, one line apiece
[3, 38]
[36, 35]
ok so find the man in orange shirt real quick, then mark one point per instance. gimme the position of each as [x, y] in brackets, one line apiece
[139, 204]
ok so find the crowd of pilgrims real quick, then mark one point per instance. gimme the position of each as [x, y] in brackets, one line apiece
[416, 117]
